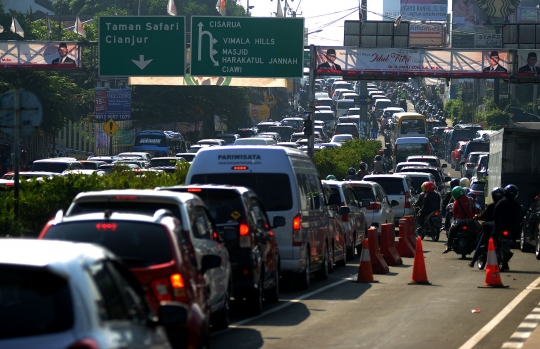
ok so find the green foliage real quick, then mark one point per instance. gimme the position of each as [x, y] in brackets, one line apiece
[454, 109]
[497, 119]
[338, 161]
[40, 200]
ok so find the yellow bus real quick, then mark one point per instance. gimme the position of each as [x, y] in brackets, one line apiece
[407, 125]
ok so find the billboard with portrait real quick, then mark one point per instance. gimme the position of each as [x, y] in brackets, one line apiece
[407, 62]
[424, 10]
[528, 66]
[39, 54]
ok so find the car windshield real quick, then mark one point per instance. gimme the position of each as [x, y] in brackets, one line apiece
[273, 189]
[125, 206]
[139, 244]
[51, 166]
[364, 193]
[33, 302]
[391, 186]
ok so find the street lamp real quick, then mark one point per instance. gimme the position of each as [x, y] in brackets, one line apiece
[248, 7]
[285, 8]
[315, 31]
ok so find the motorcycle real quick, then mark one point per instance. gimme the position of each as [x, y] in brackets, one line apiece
[432, 226]
[466, 240]
[499, 251]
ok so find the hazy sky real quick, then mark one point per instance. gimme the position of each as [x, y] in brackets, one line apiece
[318, 14]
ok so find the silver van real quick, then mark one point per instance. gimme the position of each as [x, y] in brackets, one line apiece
[286, 181]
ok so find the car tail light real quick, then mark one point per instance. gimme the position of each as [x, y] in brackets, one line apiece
[505, 233]
[162, 288]
[464, 227]
[246, 238]
[297, 232]
[436, 140]
[10, 184]
[177, 281]
[436, 214]
[86, 343]
[194, 190]
[374, 206]
[407, 198]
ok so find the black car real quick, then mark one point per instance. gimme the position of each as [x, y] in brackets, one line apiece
[247, 132]
[530, 229]
[253, 252]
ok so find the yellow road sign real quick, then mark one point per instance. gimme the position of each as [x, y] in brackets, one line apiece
[111, 127]
[270, 101]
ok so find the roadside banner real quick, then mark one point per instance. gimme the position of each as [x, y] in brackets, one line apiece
[39, 54]
[112, 104]
[424, 10]
[406, 62]
[428, 34]
[529, 65]
[189, 80]
[259, 112]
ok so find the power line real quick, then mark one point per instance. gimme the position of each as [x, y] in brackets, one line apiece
[333, 13]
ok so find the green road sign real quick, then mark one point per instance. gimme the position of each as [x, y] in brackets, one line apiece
[247, 47]
[142, 46]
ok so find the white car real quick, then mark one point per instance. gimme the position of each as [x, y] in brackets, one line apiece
[341, 138]
[58, 294]
[380, 209]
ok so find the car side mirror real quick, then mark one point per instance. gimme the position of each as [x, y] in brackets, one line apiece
[210, 261]
[365, 203]
[344, 210]
[394, 203]
[444, 166]
[334, 199]
[172, 313]
[447, 179]
[279, 221]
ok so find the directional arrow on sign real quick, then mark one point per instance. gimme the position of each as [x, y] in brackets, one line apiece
[141, 63]
[212, 42]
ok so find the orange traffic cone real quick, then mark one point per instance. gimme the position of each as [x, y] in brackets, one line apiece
[365, 273]
[493, 275]
[419, 274]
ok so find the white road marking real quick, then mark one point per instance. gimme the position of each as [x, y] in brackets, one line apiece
[524, 330]
[499, 317]
[288, 303]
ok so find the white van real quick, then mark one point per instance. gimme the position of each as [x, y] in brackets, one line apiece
[255, 141]
[343, 106]
[286, 181]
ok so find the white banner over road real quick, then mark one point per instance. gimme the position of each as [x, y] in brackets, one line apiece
[39, 54]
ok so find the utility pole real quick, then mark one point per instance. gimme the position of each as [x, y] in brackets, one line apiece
[362, 11]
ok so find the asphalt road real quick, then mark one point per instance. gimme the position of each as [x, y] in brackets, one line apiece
[338, 313]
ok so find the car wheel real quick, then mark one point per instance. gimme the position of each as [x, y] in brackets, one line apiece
[303, 277]
[343, 261]
[272, 295]
[537, 252]
[350, 251]
[331, 260]
[255, 299]
[221, 320]
[322, 274]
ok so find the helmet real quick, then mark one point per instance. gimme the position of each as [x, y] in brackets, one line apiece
[428, 187]
[454, 182]
[352, 171]
[464, 182]
[363, 166]
[457, 192]
[497, 193]
[380, 152]
[331, 178]
[388, 145]
[378, 158]
[511, 191]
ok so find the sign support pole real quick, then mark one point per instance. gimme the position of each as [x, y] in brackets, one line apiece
[535, 99]
[311, 95]
[110, 146]
[16, 151]
[363, 83]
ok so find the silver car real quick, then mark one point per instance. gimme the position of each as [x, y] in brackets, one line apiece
[57, 294]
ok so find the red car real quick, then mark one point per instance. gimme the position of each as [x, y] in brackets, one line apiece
[457, 154]
[158, 254]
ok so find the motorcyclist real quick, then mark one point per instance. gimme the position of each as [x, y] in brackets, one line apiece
[506, 215]
[378, 165]
[429, 200]
[388, 152]
[446, 200]
[487, 216]
[363, 171]
[351, 175]
[463, 210]
[465, 183]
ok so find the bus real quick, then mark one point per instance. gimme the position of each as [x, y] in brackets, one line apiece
[159, 143]
[407, 125]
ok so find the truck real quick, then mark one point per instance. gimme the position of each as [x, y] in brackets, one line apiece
[514, 158]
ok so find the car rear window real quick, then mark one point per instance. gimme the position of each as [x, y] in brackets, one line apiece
[245, 133]
[273, 189]
[139, 244]
[383, 104]
[474, 158]
[57, 167]
[477, 146]
[124, 206]
[345, 104]
[162, 162]
[224, 205]
[227, 139]
[391, 186]
[324, 116]
[463, 135]
[417, 181]
[409, 149]
[33, 302]
[434, 172]
[346, 129]
[364, 193]
[432, 162]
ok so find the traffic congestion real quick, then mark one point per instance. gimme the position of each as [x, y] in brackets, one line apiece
[257, 228]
